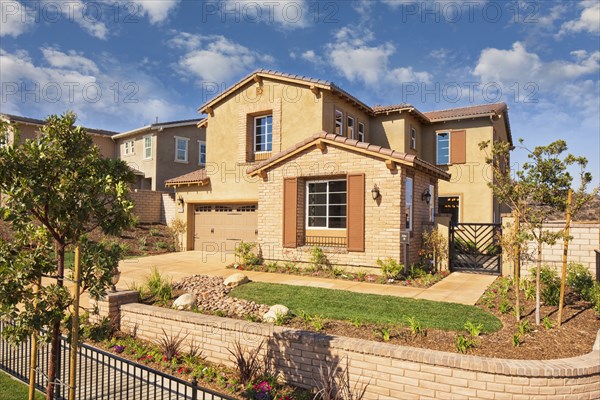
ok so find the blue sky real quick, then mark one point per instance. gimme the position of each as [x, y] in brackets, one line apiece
[121, 64]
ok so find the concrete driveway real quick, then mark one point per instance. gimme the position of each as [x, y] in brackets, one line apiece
[458, 287]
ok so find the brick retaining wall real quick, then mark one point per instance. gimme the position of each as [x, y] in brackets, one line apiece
[392, 372]
[154, 207]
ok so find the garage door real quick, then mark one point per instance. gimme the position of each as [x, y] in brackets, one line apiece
[222, 227]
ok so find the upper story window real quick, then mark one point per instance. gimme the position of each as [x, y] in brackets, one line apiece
[326, 204]
[129, 147]
[409, 203]
[413, 138]
[202, 153]
[148, 147]
[361, 132]
[339, 122]
[263, 134]
[350, 123]
[443, 148]
[181, 149]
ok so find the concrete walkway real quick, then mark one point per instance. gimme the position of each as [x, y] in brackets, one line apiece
[456, 288]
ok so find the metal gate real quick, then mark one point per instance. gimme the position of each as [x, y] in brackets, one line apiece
[476, 248]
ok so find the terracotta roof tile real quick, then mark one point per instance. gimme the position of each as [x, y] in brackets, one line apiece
[472, 111]
[395, 107]
[198, 176]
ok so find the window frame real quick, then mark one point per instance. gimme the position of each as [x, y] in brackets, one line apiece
[413, 138]
[256, 118]
[187, 149]
[458, 209]
[361, 135]
[437, 136]
[306, 216]
[146, 148]
[339, 123]
[129, 147]
[350, 129]
[409, 206]
[200, 144]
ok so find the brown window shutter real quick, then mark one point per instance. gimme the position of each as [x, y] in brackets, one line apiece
[355, 230]
[290, 212]
[458, 147]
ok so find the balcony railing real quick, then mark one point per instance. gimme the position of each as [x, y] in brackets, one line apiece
[322, 241]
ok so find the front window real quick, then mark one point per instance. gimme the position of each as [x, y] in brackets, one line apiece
[326, 204]
[263, 134]
[350, 123]
[202, 153]
[413, 138]
[409, 204]
[181, 149]
[339, 122]
[129, 146]
[361, 132]
[443, 148]
[147, 147]
[450, 205]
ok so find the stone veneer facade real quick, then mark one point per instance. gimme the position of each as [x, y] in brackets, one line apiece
[391, 372]
[384, 218]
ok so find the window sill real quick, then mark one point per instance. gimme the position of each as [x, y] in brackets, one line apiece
[182, 162]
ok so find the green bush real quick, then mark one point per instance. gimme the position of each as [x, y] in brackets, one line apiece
[244, 252]
[390, 268]
[594, 297]
[550, 292]
[156, 288]
[318, 258]
[417, 271]
[580, 280]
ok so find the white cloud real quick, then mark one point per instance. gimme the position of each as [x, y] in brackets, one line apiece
[214, 58]
[87, 16]
[13, 18]
[358, 61]
[288, 14]
[71, 81]
[157, 10]
[588, 21]
[506, 67]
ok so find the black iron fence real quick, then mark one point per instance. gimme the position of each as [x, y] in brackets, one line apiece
[100, 375]
[475, 248]
[324, 241]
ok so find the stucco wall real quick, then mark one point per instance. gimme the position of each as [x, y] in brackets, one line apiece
[384, 218]
[389, 371]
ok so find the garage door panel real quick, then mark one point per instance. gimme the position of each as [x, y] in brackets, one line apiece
[222, 227]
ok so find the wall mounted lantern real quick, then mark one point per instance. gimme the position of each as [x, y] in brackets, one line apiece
[426, 196]
[375, 192]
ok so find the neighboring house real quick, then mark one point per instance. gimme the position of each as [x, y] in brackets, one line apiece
[155, 152]
[271, 126]
[162, 151]
[29, 128]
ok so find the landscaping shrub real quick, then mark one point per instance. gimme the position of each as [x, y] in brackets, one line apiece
[318, 259]
[463, 343]
[550, 292]
[244, 252]
[417, 271]
[416, 327]
[594, 295]
[390, 268]
[156, 288]
[247, 364]
[580, 280]
[472, 329]
[333, 383]
[171, 346]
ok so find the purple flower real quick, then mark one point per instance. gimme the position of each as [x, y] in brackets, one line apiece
[118, 348]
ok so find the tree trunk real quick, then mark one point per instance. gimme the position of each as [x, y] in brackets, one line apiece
[537, 283]
[563, 278]
[53, 363]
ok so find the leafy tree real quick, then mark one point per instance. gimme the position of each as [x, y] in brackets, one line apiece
[56, 190]
[535, 192]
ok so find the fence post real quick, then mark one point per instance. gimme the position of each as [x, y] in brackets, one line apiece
[194, 388]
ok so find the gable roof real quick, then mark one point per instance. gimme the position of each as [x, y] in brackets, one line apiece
[198, 177]
[40, 122]
[292, 78]
[383, 153]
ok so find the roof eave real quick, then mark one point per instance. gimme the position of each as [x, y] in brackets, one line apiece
[203, 182]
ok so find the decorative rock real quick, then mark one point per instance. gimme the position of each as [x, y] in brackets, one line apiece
[185, 302]
[275, 311]
[235, 280]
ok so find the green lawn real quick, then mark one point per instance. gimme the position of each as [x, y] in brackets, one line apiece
[11, 389]
[350, 306]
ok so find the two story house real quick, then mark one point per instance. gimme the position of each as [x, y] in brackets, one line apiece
[295, 162]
